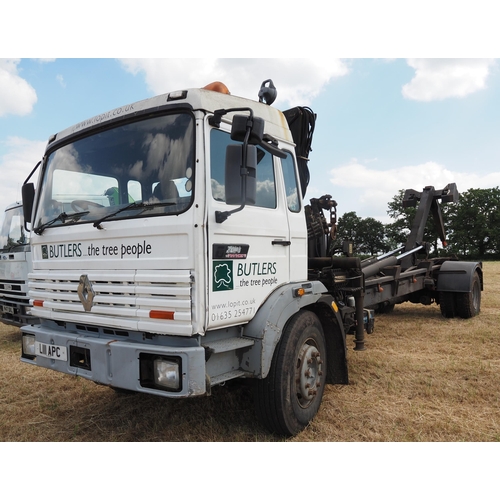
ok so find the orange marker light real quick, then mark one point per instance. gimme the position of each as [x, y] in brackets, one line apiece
[161, 314]
[38, 303]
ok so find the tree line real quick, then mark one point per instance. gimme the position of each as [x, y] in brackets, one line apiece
[472, 227]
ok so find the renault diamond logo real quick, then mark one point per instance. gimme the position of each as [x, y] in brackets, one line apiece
[85, 292]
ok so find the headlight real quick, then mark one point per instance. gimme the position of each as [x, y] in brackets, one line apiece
[160, 372]
[29, 345]
[166, 374]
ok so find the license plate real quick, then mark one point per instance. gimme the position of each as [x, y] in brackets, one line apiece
[8, 309]
[51, 351]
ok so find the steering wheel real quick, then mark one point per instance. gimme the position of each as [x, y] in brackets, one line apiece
[79, 205]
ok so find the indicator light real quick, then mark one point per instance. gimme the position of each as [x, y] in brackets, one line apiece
[161, 314]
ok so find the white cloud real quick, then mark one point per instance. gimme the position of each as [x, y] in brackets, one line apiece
[21, 157]
[437, 79]
[17, 96]
[298, 81]
[61, 81]
[368, 191]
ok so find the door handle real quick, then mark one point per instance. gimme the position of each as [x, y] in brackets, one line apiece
[284, 243]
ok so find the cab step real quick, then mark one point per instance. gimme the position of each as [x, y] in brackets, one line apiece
[225, 345]
[219, 379]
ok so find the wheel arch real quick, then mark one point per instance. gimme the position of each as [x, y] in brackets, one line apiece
[457, 276]
[333, 329]
[271, 319]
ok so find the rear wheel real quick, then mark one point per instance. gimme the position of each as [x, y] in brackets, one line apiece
[469, 304]
[447, 304]
[290, 396]
[385, 308]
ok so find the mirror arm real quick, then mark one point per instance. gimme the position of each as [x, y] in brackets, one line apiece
[220, 217]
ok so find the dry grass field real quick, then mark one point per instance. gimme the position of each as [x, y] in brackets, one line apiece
[422, 378]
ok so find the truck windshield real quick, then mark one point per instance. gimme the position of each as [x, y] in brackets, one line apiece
[108, 175]
[13, 235]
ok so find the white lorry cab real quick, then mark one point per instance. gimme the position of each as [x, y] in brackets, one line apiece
[15, 264]
[170, 248]
[172, 251]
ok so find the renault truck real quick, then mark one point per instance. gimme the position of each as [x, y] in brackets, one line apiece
[173, 251]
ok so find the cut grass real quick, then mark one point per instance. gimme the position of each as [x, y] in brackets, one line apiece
[422, 378]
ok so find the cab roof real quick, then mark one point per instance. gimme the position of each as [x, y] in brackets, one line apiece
[197, 99]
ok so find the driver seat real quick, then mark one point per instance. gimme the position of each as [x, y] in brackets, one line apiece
[166, 191]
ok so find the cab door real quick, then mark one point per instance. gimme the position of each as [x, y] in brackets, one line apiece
[295, 218]
[248, 253]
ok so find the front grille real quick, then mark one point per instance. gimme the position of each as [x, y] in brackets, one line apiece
[14, 303]
[13, 289]
[122, 299]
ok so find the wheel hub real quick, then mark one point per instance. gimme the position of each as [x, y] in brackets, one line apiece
[308, 374]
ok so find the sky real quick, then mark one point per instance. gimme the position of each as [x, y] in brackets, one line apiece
[406, 95]
[383, 124]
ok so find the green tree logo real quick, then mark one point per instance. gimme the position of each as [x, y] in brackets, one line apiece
[222, 275]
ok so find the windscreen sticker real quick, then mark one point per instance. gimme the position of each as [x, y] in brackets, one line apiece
[104, 117]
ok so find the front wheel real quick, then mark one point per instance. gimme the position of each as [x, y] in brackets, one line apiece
[290, 396]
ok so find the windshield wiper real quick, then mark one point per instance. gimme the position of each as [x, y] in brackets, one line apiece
[144, 205]
[63, 217]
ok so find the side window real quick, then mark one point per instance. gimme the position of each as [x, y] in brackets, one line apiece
[266, 185]
[134, 190]
[291, 185]
[16, 229]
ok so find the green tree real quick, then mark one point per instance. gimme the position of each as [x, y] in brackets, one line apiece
[475, 223]
[397, 231]
[367, 234]
[347, 226]
[371, 236]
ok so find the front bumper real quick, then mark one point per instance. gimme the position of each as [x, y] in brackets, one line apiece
[122, 363]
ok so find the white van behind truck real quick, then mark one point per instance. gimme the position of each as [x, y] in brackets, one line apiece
[15, 264]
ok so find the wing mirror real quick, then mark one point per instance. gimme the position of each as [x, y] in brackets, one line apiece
[28, 195]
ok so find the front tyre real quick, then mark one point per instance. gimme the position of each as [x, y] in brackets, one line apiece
[290, 396]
